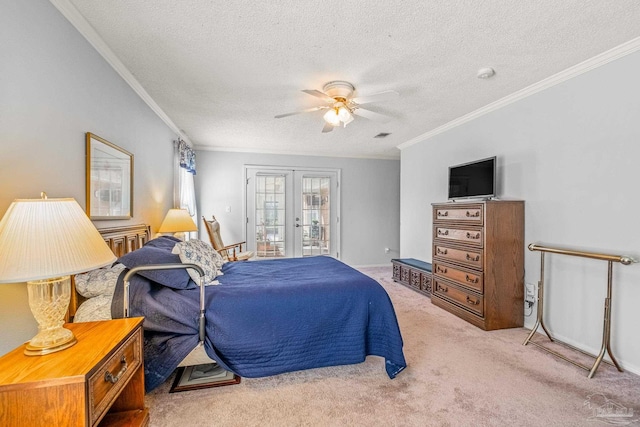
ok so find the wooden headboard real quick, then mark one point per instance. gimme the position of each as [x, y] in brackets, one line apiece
[121, 240]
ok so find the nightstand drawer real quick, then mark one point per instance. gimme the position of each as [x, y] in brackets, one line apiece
[113, 375]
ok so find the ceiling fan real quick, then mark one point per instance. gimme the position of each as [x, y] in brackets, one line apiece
[342, 107]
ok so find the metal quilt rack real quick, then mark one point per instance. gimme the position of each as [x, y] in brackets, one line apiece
[606, 334]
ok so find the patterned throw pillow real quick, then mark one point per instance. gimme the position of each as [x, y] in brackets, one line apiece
[93, 309]
[201, 254]
[101, 281]
[218, 261]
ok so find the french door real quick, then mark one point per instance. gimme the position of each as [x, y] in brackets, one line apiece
[292, 212]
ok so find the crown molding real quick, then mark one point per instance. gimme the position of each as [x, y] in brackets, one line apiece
[294, 153]
[588, 65]
[77, 20]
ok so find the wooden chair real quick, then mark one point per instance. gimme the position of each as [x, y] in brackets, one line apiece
[229, 252]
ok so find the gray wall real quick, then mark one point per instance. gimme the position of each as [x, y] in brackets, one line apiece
[571, 152]
[370, 200]
[54, 87]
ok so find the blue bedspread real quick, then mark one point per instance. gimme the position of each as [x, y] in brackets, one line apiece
[271, 317]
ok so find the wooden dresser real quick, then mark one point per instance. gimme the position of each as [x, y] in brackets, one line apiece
[478, 262]
[98, 381]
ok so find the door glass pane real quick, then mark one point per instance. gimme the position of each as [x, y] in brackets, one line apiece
[315, 216]
[270, 216]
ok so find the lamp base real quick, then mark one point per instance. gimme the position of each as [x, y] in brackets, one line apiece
[49, 300]
[31, 350]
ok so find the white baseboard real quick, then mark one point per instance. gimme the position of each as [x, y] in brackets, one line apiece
[372, 265]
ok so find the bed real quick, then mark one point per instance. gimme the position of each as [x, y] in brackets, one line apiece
[262, 318]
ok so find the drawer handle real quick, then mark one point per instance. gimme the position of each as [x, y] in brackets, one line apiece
[472, 302]
[471, 236]
[470, 258]
[443, 233]
[442, 288]
[471, 280]
[441, 252]
[109, 377]
[445, 213]
[476, 214]
[441, 270]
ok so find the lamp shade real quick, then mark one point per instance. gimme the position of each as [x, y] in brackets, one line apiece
[176, 221]
[44, 238]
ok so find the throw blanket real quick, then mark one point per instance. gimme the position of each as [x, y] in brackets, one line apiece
[270, 317]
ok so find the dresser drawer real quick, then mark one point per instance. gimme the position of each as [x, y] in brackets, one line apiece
[113, 375]
[469, 257]
[467, 278]
[464, 298]
[471, 236]
[469, 214]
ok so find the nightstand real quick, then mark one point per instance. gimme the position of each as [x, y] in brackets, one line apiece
[98, 381]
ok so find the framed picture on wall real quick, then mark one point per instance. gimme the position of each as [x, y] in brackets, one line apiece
[109, 176]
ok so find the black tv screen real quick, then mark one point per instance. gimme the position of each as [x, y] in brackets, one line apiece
[473, 180]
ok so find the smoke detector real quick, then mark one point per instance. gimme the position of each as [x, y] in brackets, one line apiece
[486, 73]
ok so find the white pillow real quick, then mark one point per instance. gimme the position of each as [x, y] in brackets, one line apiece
[201, 254]
[93, 309]
[101, 281]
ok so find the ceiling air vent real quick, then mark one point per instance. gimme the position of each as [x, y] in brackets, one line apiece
[382, 135]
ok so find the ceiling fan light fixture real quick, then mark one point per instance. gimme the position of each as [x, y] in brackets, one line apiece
[346, 122]
[344, 114]
[341, 108]
[331, 117]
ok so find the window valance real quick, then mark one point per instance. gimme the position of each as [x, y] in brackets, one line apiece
[187, 157]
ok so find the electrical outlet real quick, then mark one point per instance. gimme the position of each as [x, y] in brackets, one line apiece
[529, 293]
[387, 250]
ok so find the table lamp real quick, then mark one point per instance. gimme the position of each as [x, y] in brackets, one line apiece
[177, 221]
[42, 242]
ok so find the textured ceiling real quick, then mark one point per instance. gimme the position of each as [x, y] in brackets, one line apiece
[222, 70]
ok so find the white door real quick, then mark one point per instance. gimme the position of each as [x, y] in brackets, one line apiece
[291, 212]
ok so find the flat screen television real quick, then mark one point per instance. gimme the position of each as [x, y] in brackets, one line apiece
[473, 180]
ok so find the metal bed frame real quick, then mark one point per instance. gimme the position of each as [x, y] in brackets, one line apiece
[200, 271]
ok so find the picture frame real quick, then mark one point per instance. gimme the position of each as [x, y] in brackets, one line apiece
[202, 376]
[109, 180]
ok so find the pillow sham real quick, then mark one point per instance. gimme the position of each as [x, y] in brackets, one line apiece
[101, 281]
[218, 261]
[201, 254]
[93, 309]
[163, 242]
[149, 254]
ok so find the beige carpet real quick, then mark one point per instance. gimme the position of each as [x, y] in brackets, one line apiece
[457, 375]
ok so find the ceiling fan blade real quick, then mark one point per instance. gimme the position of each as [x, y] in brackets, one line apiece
[320, 95]
[327, 128]
[376, 97]
[308, 110]
[368, 114]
